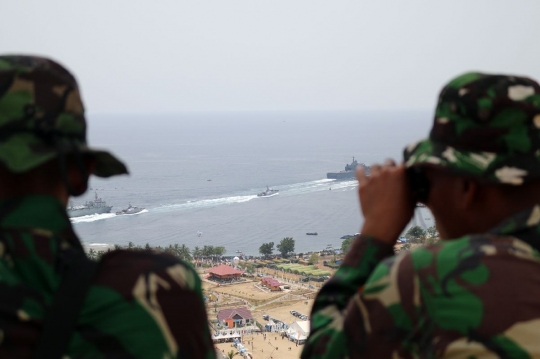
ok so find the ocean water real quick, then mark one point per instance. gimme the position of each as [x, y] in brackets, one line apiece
[200, 172]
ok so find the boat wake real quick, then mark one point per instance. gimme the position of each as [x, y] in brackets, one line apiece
[97, 246]
[268, 195]
[207, 203]
[316, 186]
[92, 218]
[133, 214]
[284, 191]
[100, 217]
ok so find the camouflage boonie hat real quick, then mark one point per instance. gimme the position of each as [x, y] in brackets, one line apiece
[487, 126]
[42, 116]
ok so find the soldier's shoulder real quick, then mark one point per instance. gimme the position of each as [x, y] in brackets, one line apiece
[125, 266]
[478, 245]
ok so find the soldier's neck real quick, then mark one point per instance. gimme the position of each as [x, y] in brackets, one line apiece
[18, 186]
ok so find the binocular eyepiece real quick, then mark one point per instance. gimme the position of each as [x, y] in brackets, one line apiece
[418, 183]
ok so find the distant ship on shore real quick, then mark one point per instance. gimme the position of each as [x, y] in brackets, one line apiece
[97, 206]
[349, 172]
[269, 192]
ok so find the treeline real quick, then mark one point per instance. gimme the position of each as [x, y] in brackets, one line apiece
[285, 247]
[415, 235]
[180, 251]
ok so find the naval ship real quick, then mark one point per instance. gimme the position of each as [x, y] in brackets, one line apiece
[97, 206]
[269, 192]
[130, 210]
[349, 172]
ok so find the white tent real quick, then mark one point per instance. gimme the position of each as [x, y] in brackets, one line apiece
[226, 335]
[298, 330]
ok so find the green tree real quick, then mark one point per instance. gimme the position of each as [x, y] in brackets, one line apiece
[432, 232]
[92, 254]
[346, 244]
[231, 354]
[432, 235]
[180, 251]
[207, 251]
[313, 259]
[405, 247]
[266, 249]
[219, 250]
[184, 253]
[286, 246]
[416, 234]
[197, 252]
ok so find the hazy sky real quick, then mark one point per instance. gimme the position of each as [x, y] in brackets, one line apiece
[173, 55]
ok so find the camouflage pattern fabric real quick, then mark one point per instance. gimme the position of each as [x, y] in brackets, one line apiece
[140, 305]
[473, 297]
[487, 126]
[42, 116]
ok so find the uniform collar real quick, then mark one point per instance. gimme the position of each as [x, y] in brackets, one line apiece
[524, 225]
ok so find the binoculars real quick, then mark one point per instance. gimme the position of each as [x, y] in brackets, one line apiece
[418, 183]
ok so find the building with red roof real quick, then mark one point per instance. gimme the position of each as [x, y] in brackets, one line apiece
[224, 272]
[271, 283]
[235, 317]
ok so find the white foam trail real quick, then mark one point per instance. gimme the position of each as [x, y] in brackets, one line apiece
[316, 186]
[205, 203]
[92, 218]
[270, 195]
[285, 190]
[134, 214]
[99, 247]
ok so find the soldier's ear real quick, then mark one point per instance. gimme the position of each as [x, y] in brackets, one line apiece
[468, 193]
[78, 179]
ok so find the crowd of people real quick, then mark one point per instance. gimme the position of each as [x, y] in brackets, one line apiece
[473, 294]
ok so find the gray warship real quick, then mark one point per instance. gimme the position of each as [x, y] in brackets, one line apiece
[97, 206]
[269, 192]
[349, 172]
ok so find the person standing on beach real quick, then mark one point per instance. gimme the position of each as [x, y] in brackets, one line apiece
[55, 302]
[475, 293]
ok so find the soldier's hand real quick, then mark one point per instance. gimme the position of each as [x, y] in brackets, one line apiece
[386, 201]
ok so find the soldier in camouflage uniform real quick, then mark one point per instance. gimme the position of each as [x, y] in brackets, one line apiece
[475, 293]
[138, 304]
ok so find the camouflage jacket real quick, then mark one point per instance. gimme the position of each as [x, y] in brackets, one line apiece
[472, 297]
[140, 305]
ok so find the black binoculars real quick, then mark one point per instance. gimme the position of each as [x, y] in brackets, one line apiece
[418, 183]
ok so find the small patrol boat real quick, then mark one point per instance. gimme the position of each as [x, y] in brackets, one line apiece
[130, 210]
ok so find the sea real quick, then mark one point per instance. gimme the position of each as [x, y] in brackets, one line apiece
[197, 174]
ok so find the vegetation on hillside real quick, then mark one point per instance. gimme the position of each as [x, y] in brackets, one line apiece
[286, 246]
[266, 249]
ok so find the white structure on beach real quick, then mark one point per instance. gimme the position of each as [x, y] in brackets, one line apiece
[299, 331]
